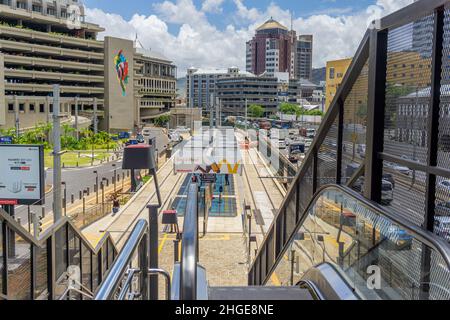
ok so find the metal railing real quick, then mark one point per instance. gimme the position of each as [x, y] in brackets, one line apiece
[132, 264]
[189, 251]
[37, 268]
[367, 83]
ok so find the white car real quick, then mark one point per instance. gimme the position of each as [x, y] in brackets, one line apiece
[445, 184]
[403, 170]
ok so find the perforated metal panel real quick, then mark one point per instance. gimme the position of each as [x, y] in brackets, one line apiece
[327, 156]
[444, 119]
[406, 198]
[408, 87]
[354, 126]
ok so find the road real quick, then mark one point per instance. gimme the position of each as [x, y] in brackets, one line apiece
[77, 179]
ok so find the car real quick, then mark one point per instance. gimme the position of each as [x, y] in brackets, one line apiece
[443, 209]
[401, 169]
[131, 142]
[389, 177]
[442, 227]
[445, 185]
[387, 192]
[397, 239]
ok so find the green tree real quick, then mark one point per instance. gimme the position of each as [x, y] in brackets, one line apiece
[255, 111]
[289, 108]
[162, 121]
[314, 113]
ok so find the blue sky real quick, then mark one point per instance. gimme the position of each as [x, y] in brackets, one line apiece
[213, 33]
[301, 8]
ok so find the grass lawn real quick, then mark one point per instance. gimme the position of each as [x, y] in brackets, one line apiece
[71, 158]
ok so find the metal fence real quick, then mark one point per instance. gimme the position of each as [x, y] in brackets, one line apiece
[386, 133]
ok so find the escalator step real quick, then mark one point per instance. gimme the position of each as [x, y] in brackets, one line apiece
[258, 293]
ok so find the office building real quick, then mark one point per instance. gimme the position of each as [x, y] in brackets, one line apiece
[110, 81]
[304, 57]
[201, 85]
[234, 93]
[335, 74]
[272, 49]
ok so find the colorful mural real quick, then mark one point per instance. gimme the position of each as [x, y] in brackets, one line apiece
[121, 64]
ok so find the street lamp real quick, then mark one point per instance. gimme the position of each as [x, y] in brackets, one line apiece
[65, 197]
[96, 184]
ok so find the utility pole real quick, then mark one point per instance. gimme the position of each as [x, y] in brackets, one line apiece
[95, 116]
[16, 114]
[57, 209]
[77, 134]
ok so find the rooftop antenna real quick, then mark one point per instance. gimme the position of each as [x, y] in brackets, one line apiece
[136, 41]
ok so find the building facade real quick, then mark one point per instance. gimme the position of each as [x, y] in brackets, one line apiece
[102, 80]
[201, 85]
[236, 93]
[304, 57]
[272, 49]
[40, 48]
[335, 74]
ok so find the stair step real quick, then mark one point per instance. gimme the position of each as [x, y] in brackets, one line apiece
[258, 293]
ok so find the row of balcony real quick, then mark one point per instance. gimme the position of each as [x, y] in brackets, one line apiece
[57, 76]
[33, 87]
[25, 33]
[52, 63]
[52, 51]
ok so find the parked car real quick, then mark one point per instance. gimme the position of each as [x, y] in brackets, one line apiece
[442, 227]
[131, 142]
[389, 177]
[445, 185]
[397, 239]
[443, 209]
[401, 169]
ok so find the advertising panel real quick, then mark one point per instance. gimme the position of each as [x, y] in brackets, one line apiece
[22, 177]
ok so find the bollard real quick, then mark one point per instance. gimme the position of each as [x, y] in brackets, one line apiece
[43, 212]
[88, 191]
[77, 164]
[72, 198]
[81, 194]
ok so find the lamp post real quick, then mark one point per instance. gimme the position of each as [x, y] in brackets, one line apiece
[96, 185]
[65, 198]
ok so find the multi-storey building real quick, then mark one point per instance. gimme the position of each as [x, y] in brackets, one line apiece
[201, 85]
[40, 48]
[235, 93]
[272, 49]
[335, 74]
[111, 81]
[157, 85]
[304, 57]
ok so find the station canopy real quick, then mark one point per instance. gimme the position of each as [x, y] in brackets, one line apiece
[211, 151]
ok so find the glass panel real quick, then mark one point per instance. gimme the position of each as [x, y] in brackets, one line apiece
[19, 268]
[403, 190]
[327, 155]
[61, 251]
[305, 188]
[41, 273]
[354, 129]
[104, 259]
[355, 239]
[86, 267]
[110, 254]
[95, 274]
[74, 249]
[291, 212]
[1, 257]
[444, 120]
[408, 90]
[442, 218]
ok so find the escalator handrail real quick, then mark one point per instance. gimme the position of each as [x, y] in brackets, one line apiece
[425, 237]
[189, 250]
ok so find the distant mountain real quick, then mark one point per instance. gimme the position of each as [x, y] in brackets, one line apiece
[318, 75]
[181, 87]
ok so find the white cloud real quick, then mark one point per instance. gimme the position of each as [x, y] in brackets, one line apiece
[200, 43]
[212, 6]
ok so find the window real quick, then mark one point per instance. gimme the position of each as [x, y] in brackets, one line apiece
[10, 107]
[41, 108]
[331, 73]
[32, 107]
[51, 108]
[22, 107]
